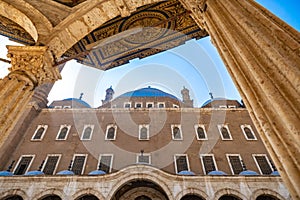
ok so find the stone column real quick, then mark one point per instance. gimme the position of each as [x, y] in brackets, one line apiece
[262, 55]
[30, 67]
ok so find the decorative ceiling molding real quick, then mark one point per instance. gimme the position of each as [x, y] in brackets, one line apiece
[160, 26]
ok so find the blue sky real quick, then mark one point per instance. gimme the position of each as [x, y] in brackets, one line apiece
[195, 65]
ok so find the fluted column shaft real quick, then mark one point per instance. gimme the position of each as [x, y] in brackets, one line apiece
[30, 67]
[262, 55]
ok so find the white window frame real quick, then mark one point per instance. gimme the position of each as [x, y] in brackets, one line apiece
[202, 163]
[257, 165]
[36, 130]
[222, 106]
[127, 103]
[187, 161]
[144, 154]
[231, 106]
[150, 103]
[25, 155]
[140, 127]
[86, 126]
[67, 107]
[181, 134]
[107, 128]
[61, 127]
[111, 160]
[248, 126]
[135, 105]
[225, 126]
[85, 160]
[175, 106]
[163, 103]
[228, 160]
[44, 165]
[196, 131]
[58, 107]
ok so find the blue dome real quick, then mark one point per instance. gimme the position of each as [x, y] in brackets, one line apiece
[148, 92]
[65, 172]
[79, 101]
[186, 173]
[97, 172]
[34, 173]
[275, 173]
[217, 172]
[248, 173]
[6, 173]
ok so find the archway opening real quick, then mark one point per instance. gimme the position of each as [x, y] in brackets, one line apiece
[14, 197]
[229, 197]
[140, 190]
[51, 197]
[266, 197]
[192, 197]
[87, 197]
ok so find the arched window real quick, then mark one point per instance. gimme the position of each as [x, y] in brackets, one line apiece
[143, 133]
[176, 132]
[62, 135]
[87, 133]
[111, 132]
[39, 133]
[224, 131]
[229, 197]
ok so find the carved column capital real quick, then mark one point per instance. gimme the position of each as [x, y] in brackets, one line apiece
[32, 64]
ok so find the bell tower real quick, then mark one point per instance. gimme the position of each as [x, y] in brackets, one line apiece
[187, 101]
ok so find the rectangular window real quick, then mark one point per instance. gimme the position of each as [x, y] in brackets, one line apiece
[87, 132]
[149, 104]
[200, 132]
[66, 107]
[235, 163]
[161, 104]
[176, 132]
[224, 132]
[127, 105]
[23, 164]
[248, 132]
[208, 163]
[105, 162]
[58, 107]
[222, 106]
[63, 132]
[138, 105]
[39, 132]
[144, 132]
[231, 106]
[181, 163]
[79, 161]
[263, 164]
[145, 158]
[51, 163]
[111, 132]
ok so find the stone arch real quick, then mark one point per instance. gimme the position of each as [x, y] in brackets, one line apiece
[142, 177]
[228, 191]
[95, 13]
[87, 191]
[49, 192]
[14, 192]
[191, 191]
[138, 192]
[265, 191]
[15, 15]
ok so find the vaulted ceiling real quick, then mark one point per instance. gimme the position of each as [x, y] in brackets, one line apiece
[146, 31]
